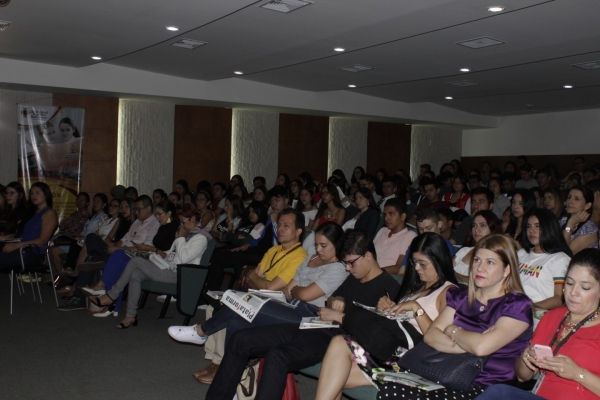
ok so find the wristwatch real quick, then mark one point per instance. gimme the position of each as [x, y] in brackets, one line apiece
[420, 312]
[567, 229]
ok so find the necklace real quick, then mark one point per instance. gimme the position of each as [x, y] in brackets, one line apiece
[567, 327]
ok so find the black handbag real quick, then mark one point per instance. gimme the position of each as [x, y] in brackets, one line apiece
[454, 371]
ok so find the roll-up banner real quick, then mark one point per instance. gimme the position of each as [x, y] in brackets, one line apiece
[51, 140]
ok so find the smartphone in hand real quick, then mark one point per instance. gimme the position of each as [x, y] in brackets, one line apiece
[542, 351]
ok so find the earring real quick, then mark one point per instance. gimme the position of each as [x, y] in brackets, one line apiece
[169, 220]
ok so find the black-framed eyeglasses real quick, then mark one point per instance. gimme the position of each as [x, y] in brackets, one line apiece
[351, 263]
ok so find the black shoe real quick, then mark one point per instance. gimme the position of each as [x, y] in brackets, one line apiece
[74, 304]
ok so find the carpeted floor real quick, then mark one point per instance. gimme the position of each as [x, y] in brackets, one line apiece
[48, 354]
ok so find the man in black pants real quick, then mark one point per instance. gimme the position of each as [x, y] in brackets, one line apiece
[287, 348]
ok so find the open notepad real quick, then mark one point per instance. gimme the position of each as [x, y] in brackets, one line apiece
[400, 317]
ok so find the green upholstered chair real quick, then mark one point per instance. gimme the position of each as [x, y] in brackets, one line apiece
[188, 289]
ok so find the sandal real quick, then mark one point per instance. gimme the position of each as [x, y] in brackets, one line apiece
[96, 301]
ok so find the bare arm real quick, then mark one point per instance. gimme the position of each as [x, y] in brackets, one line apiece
[505, 331]
[49, 223]
[112, 233]
[307, 293]
[554, 301]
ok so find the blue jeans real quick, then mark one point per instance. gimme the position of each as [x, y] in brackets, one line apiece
[505, 392]
[270, 313]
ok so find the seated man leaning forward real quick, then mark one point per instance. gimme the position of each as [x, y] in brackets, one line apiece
[285, 347]
[274, 272]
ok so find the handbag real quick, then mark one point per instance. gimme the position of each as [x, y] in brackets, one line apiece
[454, 371]
[242, 282]
[378, 335]
[248, 385]
[246, 389]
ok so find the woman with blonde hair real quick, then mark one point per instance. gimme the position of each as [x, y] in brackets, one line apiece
[491, 317]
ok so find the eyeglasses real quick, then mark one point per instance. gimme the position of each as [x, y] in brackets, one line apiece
[351, 263]
[419, 263]
[158, 213]
[183, 221]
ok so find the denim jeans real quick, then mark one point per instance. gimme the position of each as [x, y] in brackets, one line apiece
[270, 313]
[506, 392]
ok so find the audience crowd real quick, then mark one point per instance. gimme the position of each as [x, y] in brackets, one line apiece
[491, 262]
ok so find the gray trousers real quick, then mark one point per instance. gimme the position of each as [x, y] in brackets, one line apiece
[138, 270]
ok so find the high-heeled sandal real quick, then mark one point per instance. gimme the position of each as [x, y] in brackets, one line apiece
[123, 326]
[96, 301]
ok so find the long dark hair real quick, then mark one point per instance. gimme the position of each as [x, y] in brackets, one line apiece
[492, 221]
[103, 199]
[237, 205]
[551, 238]
[261, 212]
[362, 173]
[69, 122]
[434, 247]
[310, 188]
[168, 206]
[124, 223]
[529, 204]
[22, 198]
[341, 177]
[367, 194]
[332, 189]
[588, 195]
[43, 186]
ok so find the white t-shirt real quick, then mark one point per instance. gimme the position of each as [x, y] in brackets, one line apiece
[462, 267]
[308, 215]
[540, 272]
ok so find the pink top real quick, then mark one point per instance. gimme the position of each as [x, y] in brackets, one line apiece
[429, 305]
[388, 249]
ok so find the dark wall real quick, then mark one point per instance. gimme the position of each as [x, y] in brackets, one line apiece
[388, 146]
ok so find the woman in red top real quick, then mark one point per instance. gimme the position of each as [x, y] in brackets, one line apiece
[572, 332]
[331, 208]
[460, 195]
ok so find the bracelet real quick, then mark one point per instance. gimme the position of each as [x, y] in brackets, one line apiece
[582, 375]
[453, 333]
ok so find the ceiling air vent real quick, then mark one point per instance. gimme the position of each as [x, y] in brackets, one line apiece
[480, 42]
[355, 68]
[463, 83]
[188, 44]
[285, 6]
[4, 25]
[588, 65]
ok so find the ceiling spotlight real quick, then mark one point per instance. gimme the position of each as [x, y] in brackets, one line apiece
[448, 97]
[96, 58]
[238, 72]
[495, 9]
[465, 70]
[568, 86]
[351, 85]
[339, 49]
[172, 28]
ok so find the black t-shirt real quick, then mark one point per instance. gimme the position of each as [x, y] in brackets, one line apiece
[10, 220]
[165, 236]
[370, 292]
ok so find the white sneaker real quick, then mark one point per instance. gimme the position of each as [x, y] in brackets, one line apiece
[202, 307]
[163, 297]
[186, 334]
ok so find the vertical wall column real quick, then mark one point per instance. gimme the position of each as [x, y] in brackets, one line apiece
[145, 149]
[434, 146]
[255, 145]
[9, 137]
[347, 145]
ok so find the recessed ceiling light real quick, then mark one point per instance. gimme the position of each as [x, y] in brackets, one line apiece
[465, 70]
[4, 25]
[96, 58]
[351, 85]
[172, 28]
[340, 49]
[238, 72]
[495, 9]
[568, 86]
[448, 97]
